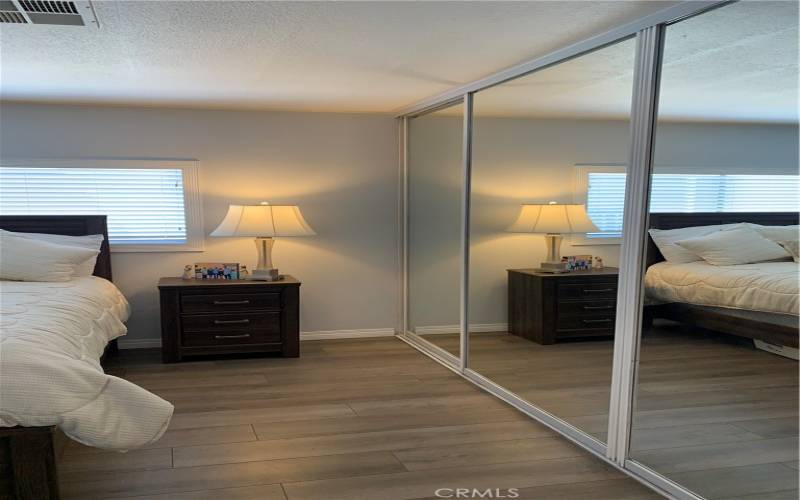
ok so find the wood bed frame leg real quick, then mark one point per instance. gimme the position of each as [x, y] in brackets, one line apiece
[33, 465]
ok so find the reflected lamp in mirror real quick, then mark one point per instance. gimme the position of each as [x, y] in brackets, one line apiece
[553, 220]
[263, 222]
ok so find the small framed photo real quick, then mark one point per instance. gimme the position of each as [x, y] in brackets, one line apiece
[578, 262]
[216, 271]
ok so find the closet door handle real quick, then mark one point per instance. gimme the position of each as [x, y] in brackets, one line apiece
[231, 302]
[231, 321]
[591, 321]
[221, 337]
[597, 308]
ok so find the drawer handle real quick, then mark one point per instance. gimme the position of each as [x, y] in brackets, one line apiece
[600, 290]
[231, 321]
[231, 302]
[596, 308]
[242, 336]
[590, 321]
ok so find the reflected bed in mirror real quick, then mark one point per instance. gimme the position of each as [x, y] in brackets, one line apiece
[756, 301]
[716, 410]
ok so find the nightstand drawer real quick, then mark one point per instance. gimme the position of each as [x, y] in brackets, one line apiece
[587, 291]
[598, 321]
[210, 339]
[260, 321]
[586, 308]
[230, 302]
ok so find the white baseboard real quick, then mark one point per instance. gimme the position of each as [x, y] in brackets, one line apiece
[780, 350]
[474, 328]
[347, 334]
[319, 335]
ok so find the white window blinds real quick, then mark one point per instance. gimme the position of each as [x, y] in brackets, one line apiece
[605, 198]
[145, 206]
[605, 202]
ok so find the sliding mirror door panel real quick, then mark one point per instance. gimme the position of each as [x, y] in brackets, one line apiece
[434, 198]
[716, 405]
[548, 156]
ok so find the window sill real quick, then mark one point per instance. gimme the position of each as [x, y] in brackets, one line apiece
[582, 241]
[156, 248]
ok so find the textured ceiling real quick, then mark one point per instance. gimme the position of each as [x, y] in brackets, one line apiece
[320, 56]
[738, 62]
[735, 63]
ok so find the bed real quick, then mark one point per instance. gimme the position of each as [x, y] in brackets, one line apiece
[51, 380]
[755, 301]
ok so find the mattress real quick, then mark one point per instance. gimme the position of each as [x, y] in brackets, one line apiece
[770, 287]
[51, 338]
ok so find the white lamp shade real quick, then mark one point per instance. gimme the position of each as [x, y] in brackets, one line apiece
[263, 221]
[554, 219]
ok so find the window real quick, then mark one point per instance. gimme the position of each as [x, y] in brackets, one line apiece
[151, 205]
[604, 189]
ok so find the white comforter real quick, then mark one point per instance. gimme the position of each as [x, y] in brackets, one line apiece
[51, 338]
[766, 286]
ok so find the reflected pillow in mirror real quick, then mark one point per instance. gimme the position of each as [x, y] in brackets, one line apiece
[665, 240]
[737, 246]
[793, 247]
[778, 233]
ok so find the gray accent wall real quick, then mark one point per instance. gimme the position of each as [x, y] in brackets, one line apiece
[341, 169]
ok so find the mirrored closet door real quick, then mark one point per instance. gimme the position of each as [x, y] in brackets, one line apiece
[433, 206]
[716, 406]
[547, 195]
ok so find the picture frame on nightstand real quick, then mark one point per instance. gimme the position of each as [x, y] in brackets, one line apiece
[216, 270]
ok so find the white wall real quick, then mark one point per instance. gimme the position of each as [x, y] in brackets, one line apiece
[341, 169]
[519, 161]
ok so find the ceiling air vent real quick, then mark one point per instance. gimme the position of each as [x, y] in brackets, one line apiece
[48, 12]
[9, 16]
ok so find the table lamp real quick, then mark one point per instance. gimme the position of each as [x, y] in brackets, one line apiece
[553, 220]
[264, 222]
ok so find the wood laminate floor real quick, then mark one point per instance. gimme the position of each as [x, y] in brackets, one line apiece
[711, 413]
[351, 419]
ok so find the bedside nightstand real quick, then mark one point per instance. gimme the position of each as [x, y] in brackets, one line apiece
[546, 308]
[200, 317]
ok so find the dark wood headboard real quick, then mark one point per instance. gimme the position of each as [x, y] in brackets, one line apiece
[71, 225]
[678, 220]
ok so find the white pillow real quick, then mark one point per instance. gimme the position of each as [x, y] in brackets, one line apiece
[777, 233]
[92, 241]
[737, 246]
[792, 247]
[24, 259]
[665, 240]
